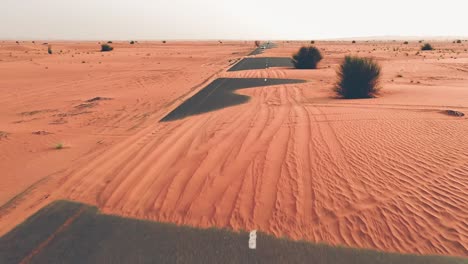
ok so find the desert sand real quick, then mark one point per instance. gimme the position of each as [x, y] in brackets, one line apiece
[387, 173]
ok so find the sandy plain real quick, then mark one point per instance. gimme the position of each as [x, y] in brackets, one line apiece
[387, 173]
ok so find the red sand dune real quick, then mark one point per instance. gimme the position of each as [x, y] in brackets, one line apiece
[389, 173]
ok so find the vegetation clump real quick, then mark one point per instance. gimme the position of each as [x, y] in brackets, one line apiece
[3, 134]
[358, 78]
[307, 58]
[49, 49]
[106, 47]
[459, 41]
[406, 42]
[257, 43]
[427, 46]
[132, 42]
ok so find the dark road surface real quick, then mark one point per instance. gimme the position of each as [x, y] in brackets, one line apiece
[220, 94]
[261, 63]
[259, 50]
[68, 232]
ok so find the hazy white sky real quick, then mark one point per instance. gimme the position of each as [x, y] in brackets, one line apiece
[235, 19]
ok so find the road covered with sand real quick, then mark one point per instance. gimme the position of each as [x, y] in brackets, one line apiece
[288, 158]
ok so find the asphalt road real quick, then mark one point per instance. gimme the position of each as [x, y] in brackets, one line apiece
[259, 50]
[220, 94]
[68, 232]
[261, 63]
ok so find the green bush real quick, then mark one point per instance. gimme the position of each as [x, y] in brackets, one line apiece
[358, 78]
[427, 46]
[307, 58]
[106, 47]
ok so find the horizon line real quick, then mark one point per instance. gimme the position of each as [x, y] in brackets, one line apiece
[374, 38]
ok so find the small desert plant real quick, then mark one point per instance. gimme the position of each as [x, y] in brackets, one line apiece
[307, 58]
[358, 78]
[59, 146]
[164, 42]
[257, 43]
[109, 42]
[459, 41]
[106, 47]
[132, 42]
[406, 42]
[3, 134]
[353, 41]
[312, 42]
[49, 49]
[427, 46]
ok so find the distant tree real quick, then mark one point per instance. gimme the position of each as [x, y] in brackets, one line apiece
[106, 47]
[427, 46]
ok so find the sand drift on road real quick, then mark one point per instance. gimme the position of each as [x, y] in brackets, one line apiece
[67, 232]
[220, 94]
[285, 157]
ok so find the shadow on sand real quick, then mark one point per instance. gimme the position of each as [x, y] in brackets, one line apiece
[220, 94]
